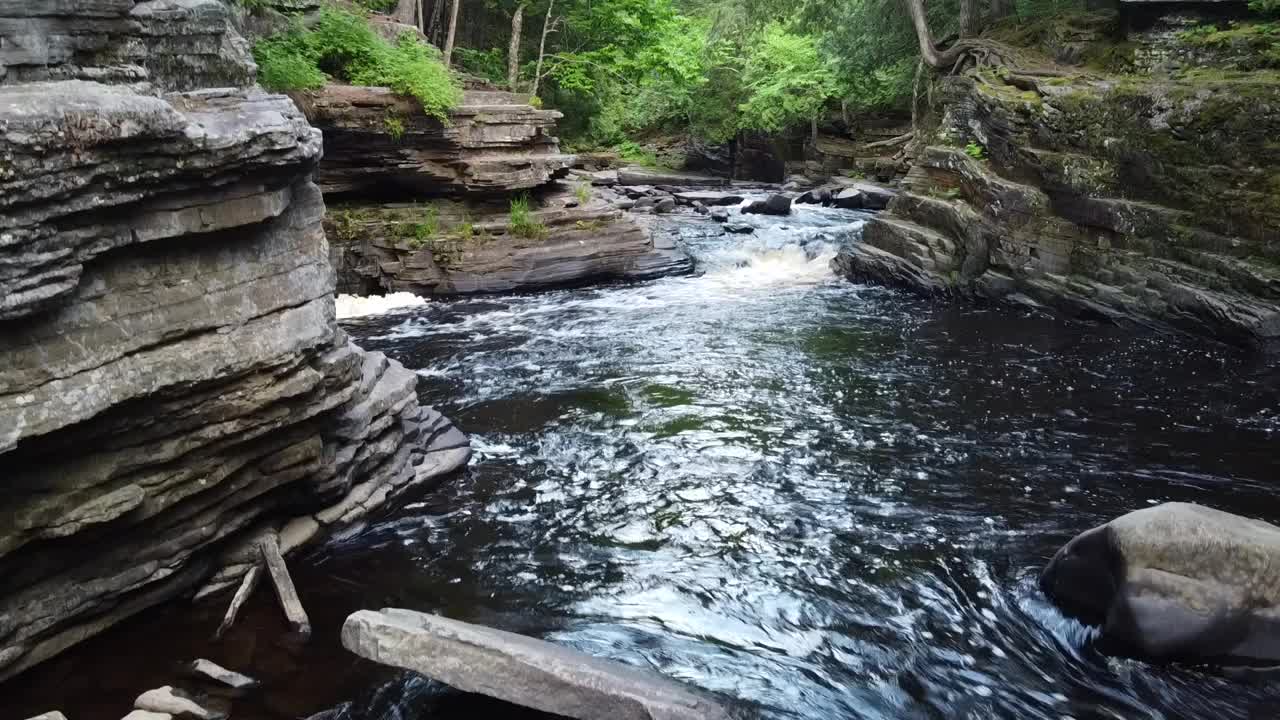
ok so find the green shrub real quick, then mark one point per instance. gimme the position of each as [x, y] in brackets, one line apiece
[378, 6]
[521, 222]
[975, 151]
[583, 193]
[343, 46]
[489, 64]
[395, 127]
[632, 152]
[1265, 7]
[428, 226]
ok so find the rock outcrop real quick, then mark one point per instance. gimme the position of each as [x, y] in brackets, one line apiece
[174, 383]
[377, 141]
[520, 669]
[1152, 200]
[474, 249]
[458, 234]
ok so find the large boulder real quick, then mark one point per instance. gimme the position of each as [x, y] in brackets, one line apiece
[773, 205]
[521, 670]
[1175, 582]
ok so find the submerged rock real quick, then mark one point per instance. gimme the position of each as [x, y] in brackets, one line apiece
[739, 228]
[1175, 582]
[773, 205]
[520, 669]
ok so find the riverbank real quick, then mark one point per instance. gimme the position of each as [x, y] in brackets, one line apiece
[759, 480]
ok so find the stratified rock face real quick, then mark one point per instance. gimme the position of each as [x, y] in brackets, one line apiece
[494, 142]
[174, 44]
[519, 669]
[1153, 201]
[376, 249]
[174, 384]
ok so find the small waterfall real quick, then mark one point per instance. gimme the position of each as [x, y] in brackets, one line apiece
[349, 306]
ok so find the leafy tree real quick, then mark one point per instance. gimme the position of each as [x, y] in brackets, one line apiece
[787, 81]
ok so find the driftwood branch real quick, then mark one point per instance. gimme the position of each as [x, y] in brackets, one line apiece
[247, 585]
[890, 142]
[286, 593]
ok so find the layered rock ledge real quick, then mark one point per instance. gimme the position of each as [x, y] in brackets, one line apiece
[377, 249]
[174, 383]
[377, 141]
[1143, 199]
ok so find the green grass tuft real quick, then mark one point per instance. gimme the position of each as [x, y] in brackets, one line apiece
[521, 221]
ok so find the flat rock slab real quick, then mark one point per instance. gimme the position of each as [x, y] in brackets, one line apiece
[650, 176]
[519, 669]
[709, 198]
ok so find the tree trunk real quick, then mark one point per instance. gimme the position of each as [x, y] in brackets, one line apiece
[928, 51]
[968, 18]
[513, 52]
[1001, 9]
[542, 46]
[453, 29]
[404, 12]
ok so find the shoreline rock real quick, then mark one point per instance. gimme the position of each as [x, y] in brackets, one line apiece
[520, 669]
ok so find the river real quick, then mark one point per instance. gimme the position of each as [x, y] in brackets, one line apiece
[816, 498]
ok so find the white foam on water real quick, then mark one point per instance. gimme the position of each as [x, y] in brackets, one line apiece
[349, 306]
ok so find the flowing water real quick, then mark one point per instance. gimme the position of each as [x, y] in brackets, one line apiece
[816, 498]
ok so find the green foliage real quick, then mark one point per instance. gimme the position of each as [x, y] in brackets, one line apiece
[488, 64]
[583, 193]
[342, 45]
[428, 226]
[535, 101]
[394, 126]
[1265, 7]
[521, 221]
[786, 79]
[975, 151]
[1250, 45]
[378, 6]
[632, 153]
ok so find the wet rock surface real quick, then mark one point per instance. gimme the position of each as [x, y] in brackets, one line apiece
[174, 384]
[520, 669]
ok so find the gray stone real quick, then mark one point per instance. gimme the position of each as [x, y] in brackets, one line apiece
[209, 670]
[167, 700]
[51, 715]
[708, 197]
[739, 228]
[849, 199]
[719, 216]
[773, 205]
[520, 669]
[1175, 582]
[665, 205]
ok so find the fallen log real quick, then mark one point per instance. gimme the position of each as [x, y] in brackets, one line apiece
[286, 593]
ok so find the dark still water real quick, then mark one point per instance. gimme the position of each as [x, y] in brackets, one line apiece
[819, 499]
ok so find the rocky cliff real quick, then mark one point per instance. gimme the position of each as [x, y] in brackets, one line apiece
[448, 227]
[1126, 189]
[174, 384]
